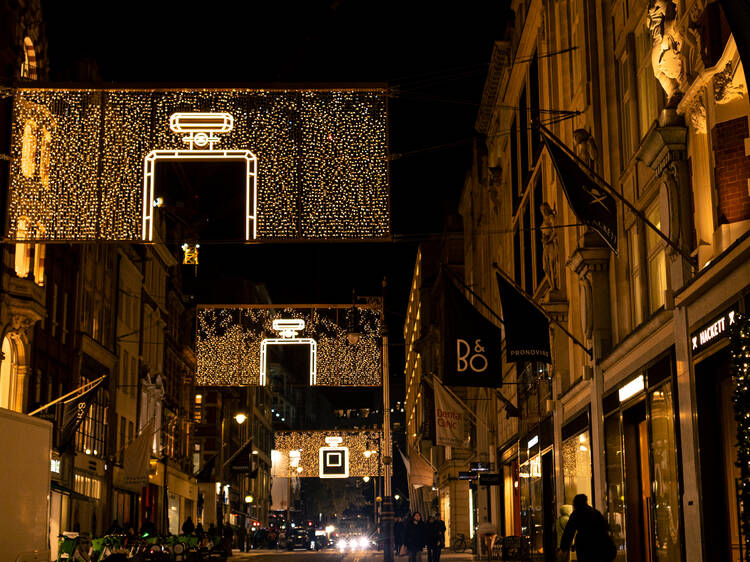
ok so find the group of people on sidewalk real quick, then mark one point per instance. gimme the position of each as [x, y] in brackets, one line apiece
[585, 525]
[415, 534]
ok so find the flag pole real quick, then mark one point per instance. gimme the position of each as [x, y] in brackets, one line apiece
[81, 389]
[603, 183]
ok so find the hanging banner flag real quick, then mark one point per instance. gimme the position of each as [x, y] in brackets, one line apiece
[74, 412]
[526, 327]
[472, 343]
[136, 459]
[591, 204]
[450, 420]
[421, 472]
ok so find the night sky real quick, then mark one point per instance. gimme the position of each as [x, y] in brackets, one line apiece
[436, 53]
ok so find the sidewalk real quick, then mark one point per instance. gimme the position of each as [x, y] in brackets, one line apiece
[446, 556]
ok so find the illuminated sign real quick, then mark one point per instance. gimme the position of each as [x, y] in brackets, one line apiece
[201, 135]
[631, 389]
[479, 467]
[532, 442]
[713, 331]
[83, 162]
[467, 475]
[288, 330]
[333, 460]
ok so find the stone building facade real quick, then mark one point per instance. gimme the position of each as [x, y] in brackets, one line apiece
[635, 408]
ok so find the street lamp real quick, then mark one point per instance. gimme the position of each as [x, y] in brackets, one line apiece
[240, 417]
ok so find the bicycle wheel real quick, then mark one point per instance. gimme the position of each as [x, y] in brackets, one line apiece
[459, 545]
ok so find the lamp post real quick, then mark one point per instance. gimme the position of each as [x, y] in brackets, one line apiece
[387, 505]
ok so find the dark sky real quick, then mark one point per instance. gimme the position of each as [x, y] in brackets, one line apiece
[431, 50]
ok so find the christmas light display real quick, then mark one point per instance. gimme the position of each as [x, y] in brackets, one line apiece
[327, 454]
[233, 342]
[78, 159]
[741, 374]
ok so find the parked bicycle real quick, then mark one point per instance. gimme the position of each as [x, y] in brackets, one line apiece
[459, 543]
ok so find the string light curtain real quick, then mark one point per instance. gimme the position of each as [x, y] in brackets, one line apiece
[741, 374]
[229, 342]
[322, 159]
[364, 452]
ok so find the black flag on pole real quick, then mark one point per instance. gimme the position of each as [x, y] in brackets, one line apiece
[591, 204]
[526, 327]
[74, 412]
[472, 343]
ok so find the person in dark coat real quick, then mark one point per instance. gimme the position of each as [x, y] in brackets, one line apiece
[436, 539]
[414, 536]
[398, 535]
[591, 533]
[188, 527]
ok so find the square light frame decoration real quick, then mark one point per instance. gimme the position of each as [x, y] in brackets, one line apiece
[362, 453]
[233, 342]
[82, 160]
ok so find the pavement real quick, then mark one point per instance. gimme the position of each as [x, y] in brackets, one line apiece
[334, 556]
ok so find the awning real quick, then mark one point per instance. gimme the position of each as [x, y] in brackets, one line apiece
[57, 487]
[241, 460]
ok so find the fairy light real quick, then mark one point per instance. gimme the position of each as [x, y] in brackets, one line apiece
[230, 344]
[321, 158]
[740, 348]
[302, 449]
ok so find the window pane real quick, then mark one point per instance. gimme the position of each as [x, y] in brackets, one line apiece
[577, 466]
[615, 484]
[657, 280]
[665, 485]
[654, 217]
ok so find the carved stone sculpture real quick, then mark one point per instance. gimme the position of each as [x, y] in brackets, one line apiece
[585, 147]
[726, 88]
[666, 50]
[550, 246]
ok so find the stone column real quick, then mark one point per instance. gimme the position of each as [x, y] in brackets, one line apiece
[591, 264]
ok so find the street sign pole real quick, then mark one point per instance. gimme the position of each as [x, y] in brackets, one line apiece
[387, 505]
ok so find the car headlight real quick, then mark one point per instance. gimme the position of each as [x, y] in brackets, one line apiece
[363, 542]
[342, 544]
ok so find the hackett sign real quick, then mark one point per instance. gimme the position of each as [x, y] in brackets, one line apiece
[713, 331]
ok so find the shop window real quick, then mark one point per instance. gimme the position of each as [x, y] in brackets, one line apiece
[665, 484]
[576, 453]
[90, 434]
[615, 487]
[656, 260]
[87, 485]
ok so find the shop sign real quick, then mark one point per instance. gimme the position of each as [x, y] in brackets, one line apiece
[713, 331]
[479, 467]
[489, 479]
[467, 475]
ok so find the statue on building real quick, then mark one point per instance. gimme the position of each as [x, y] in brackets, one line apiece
[666, 49]
[585, 147]
[550, 246]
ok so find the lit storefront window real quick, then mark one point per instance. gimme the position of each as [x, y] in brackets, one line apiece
[576, 457]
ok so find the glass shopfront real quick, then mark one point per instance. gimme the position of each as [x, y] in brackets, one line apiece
[537, 495]
[576, 459]
[643, 478]
[717, 438]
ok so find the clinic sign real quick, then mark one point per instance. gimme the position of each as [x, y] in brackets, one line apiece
[715, 330]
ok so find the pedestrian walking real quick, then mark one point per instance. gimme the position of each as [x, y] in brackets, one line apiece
[437, 539]
[398, 534]
[414, 537]
[591, 532]
[188, 527]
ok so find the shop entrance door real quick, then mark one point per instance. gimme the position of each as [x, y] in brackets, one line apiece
[718, 455]
[637, 483]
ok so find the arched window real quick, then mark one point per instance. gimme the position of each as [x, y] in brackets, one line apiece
[7, 375]
[28, 66]
[28, 149]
